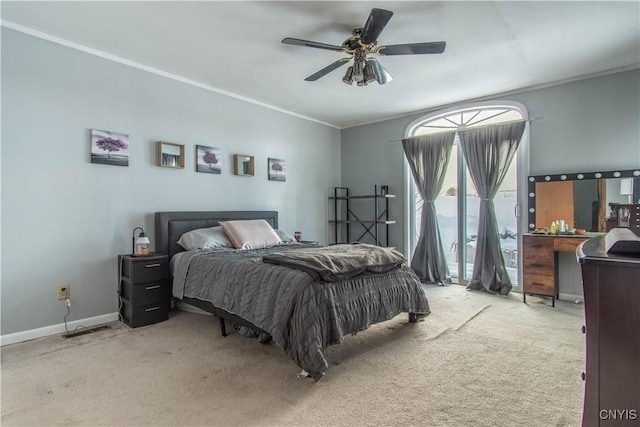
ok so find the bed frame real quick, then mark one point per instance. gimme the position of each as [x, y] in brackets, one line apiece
[171, 225]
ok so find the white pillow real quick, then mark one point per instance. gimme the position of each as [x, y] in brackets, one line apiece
[285, 237]
[205, 239]
[250, 234]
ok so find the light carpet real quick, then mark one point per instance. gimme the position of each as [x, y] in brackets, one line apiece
[477, 360]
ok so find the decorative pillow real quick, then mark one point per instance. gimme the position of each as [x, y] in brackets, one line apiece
[205, 239]
[250, 234]
[285, 237]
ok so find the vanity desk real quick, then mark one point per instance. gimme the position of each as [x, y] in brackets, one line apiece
[540, 261]
[580, 200]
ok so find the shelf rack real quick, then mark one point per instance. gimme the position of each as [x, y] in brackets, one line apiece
[344, 216]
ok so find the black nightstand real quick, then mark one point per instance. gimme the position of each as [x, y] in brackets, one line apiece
[145, 289]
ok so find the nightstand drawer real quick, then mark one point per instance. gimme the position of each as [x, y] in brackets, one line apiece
[147, 269]
[147, 314]
[145, 293]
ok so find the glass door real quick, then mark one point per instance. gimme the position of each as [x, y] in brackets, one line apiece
[458, 203]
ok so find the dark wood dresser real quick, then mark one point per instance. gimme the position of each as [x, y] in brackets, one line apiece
[611, 285]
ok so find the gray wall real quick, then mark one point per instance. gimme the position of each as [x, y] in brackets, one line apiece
[587, 125]
[64, 219]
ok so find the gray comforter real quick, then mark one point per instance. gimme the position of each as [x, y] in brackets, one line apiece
[303, 316]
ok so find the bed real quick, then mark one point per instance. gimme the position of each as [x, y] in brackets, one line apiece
[288, 306]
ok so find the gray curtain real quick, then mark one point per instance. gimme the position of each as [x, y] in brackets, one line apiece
[488, 152]
[428, 156]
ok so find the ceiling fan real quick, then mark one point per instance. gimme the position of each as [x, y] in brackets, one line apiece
[362, 43]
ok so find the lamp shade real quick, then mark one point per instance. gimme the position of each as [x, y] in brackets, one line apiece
[142, 239]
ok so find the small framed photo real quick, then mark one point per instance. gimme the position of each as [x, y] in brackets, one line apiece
[277, 170]
[208, 159]
[170, 155]
[109, 148]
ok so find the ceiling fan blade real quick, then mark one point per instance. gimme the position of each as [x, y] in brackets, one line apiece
[326, 70]
[299, 42]
[376, 22]
[413, 48]
[382, 76]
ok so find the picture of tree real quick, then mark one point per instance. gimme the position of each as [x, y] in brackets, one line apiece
[109, 148]
[276, 169]
[208, 159]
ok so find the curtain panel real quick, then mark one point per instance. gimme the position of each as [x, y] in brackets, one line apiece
[488, 151]
[428, 157]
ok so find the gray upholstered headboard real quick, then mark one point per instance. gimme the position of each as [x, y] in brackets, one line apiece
[171, 225]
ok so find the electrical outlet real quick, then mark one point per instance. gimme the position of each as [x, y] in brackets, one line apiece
[63, 292]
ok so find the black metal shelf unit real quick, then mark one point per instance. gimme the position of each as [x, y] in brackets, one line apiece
[344, 216]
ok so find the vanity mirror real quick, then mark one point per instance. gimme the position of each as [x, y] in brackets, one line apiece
[243, 165]
[170, 155]
[583, 200]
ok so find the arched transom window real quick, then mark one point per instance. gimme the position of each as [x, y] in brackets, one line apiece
[471, 117]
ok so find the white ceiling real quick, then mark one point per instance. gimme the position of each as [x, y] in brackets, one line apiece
[234, 47]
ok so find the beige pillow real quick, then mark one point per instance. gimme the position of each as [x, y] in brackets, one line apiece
[250, 234]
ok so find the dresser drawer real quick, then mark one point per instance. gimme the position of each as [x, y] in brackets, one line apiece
[567, 244]
[538, 265]
[141, 270]
[147, 314]
[539, 285]
[145, 293]
[537, 246]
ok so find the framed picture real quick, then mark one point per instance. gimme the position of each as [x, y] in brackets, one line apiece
[277, 170]
[208, 159]
[109, 148]
[243, 165]
[170, 155]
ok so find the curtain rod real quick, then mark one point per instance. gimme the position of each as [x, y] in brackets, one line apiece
[532, 119]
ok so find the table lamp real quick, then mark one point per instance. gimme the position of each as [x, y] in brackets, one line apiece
[140, 245]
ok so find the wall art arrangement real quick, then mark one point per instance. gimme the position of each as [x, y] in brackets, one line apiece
[112, 148]
[208, 159]
[277, 170]
[109, 148]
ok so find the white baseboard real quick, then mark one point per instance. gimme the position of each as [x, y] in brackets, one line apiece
[571, 297]
[56, 329]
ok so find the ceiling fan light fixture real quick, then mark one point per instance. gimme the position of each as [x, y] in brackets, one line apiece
[358, 70]
[348, 76]
[369, 73]
[364, 42]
